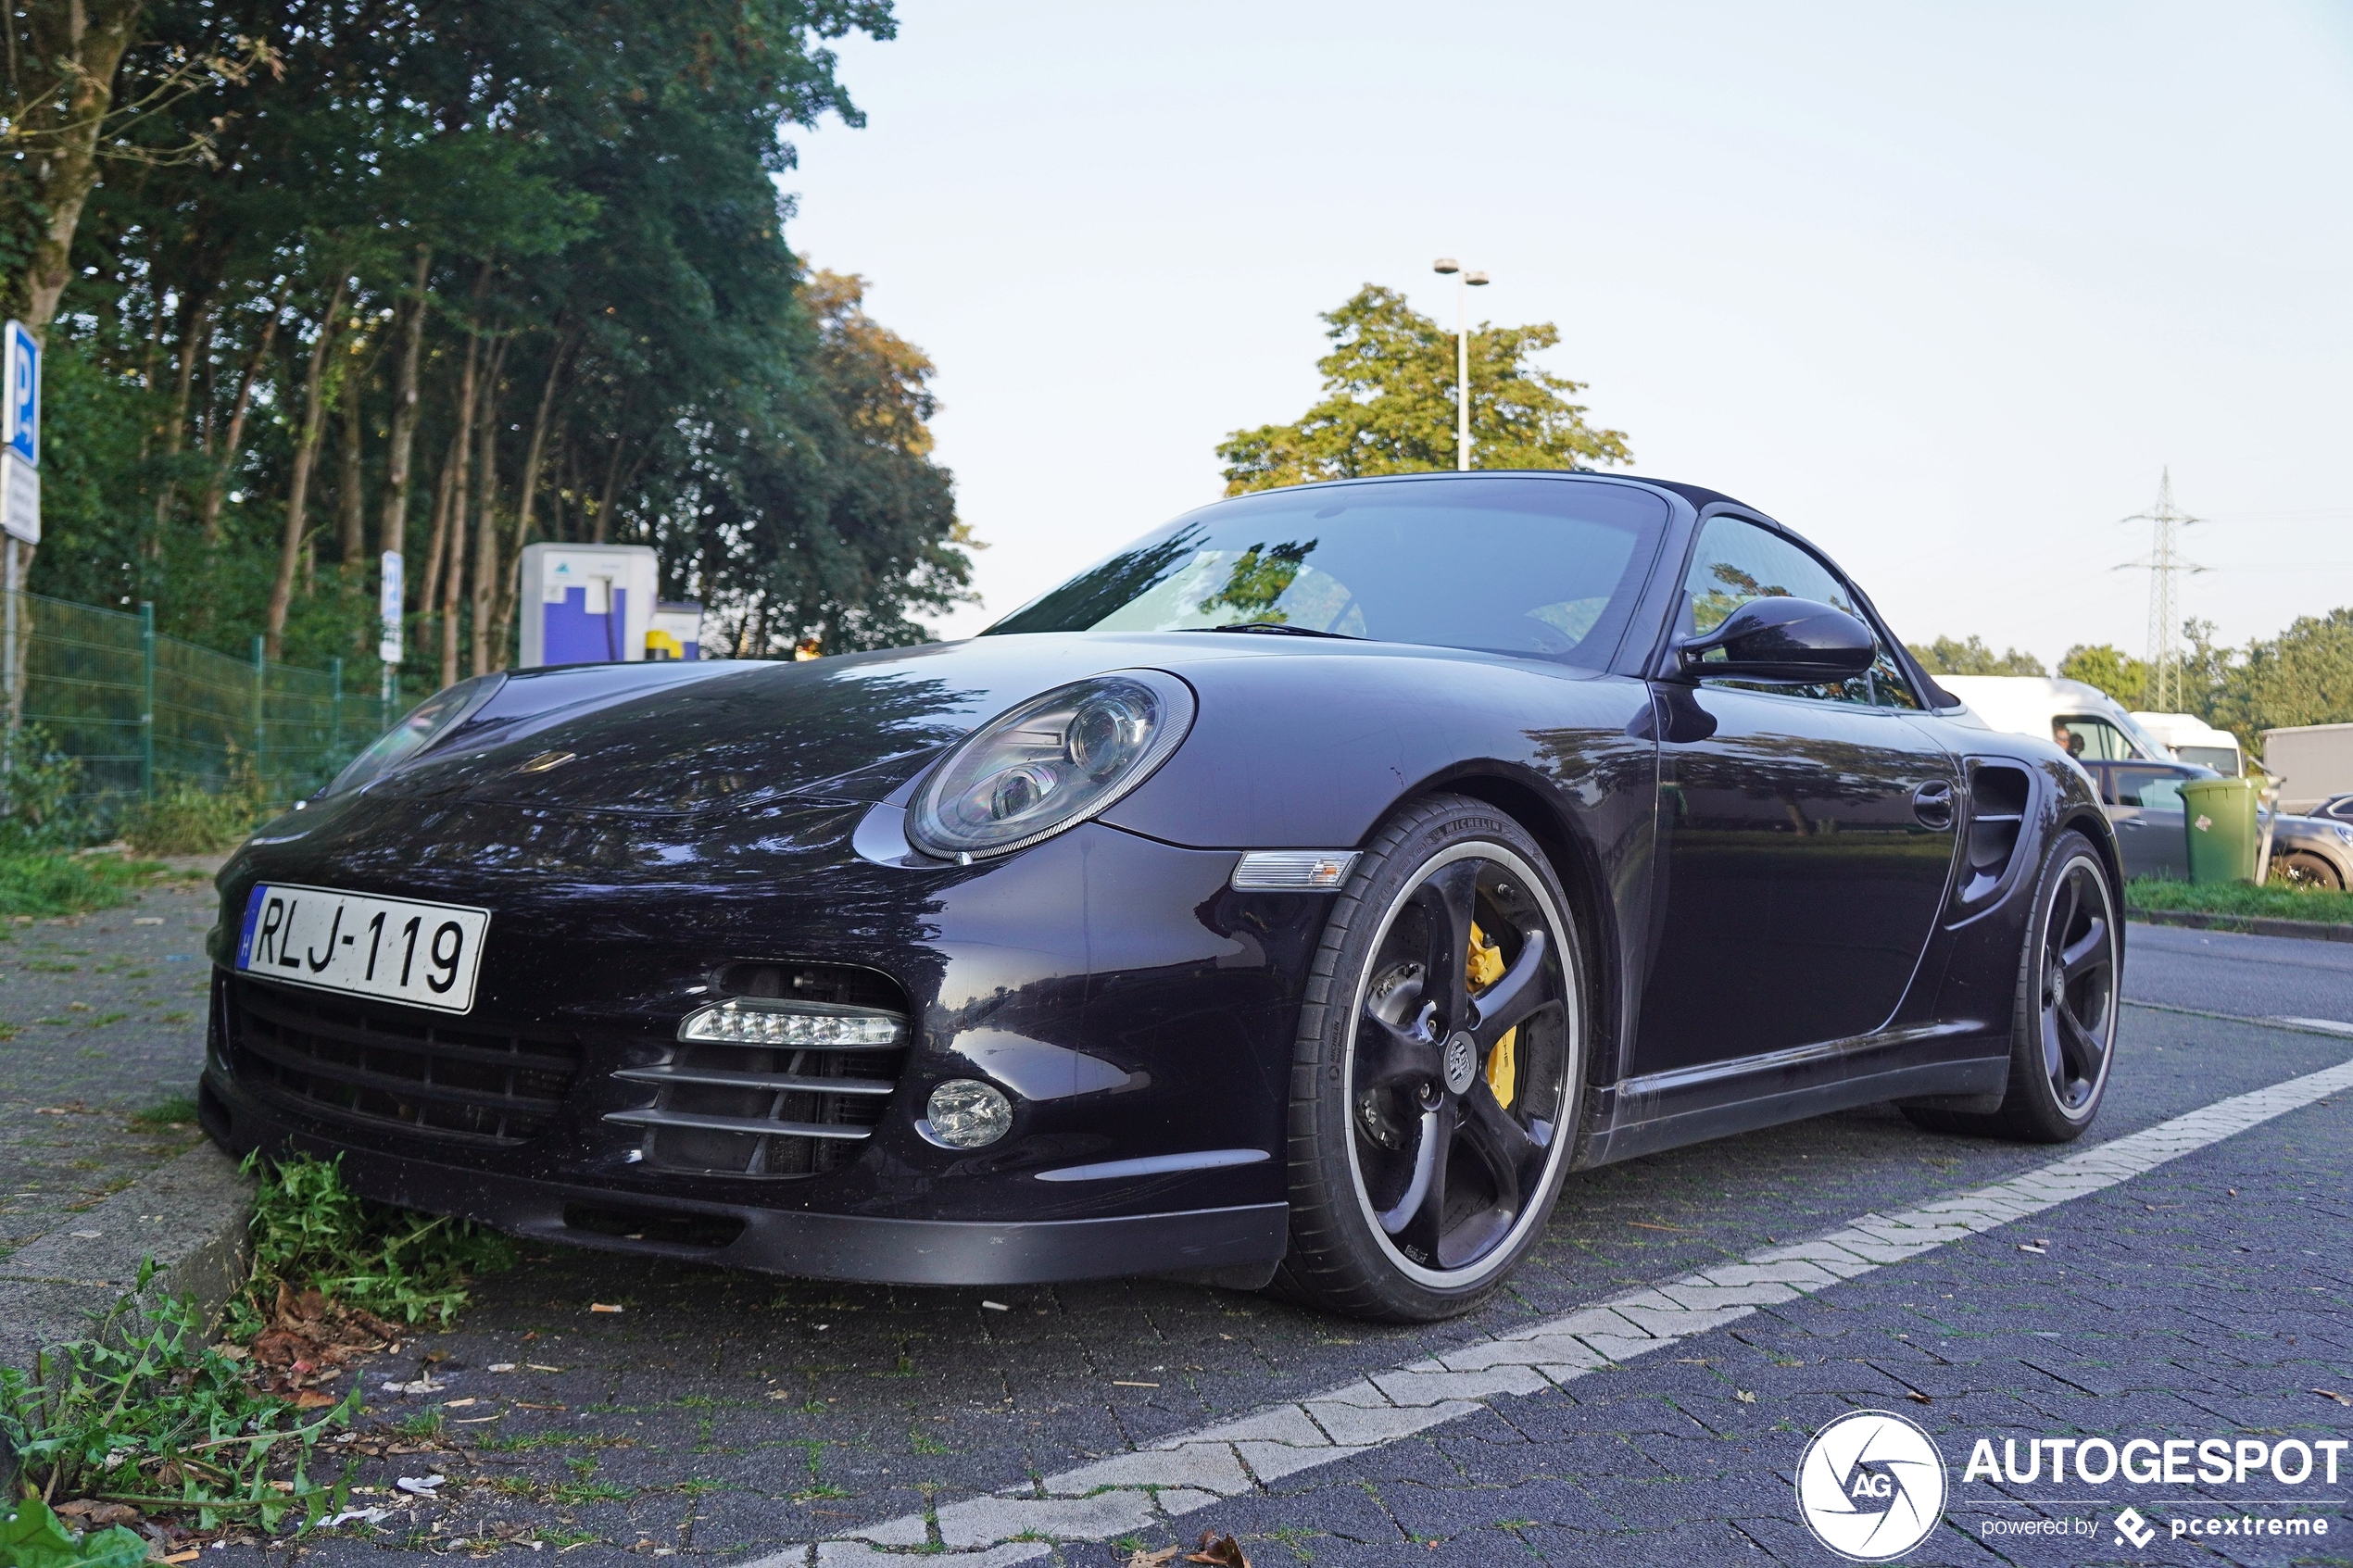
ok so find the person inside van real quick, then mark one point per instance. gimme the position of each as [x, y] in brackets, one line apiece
[2066, 739]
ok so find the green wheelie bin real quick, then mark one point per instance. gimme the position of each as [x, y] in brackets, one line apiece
[2225, 838]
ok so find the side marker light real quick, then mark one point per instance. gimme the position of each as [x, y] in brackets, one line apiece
[1293, 871]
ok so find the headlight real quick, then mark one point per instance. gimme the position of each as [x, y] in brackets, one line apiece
[1049, 764]
[426, 723]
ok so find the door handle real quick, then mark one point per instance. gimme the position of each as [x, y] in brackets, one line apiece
[1933, 804]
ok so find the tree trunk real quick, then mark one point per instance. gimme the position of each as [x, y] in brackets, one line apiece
[612, 484]
[217, 488]
[393, 532]
[453, 579]
[509, 584]
[352, 537]
[437, 540]
[314, 414]
[485, 584]
[82, 42]
[197, 335]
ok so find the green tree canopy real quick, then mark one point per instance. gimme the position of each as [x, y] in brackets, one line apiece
[1389, 405]
[1952, 656]
[449, 277]
[2302, 676]
[2113, 670]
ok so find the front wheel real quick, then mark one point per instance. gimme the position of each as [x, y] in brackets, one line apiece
[2063, 1025]
[1438, 1073]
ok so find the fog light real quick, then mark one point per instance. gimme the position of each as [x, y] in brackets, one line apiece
[753, 1020]
[967, 1113]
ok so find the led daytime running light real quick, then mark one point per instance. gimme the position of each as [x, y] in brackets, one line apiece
[751, 1021]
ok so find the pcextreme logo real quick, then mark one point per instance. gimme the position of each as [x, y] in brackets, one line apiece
[1871, 1486]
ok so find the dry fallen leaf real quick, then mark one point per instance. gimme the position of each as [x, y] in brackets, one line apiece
[312, 1399]
[189, 1556]
[1219, 1551]
[1918, 1398]
[602, 1307]
[1743, 1396]
[93, 1516]
[1139, 1558]
[2333, 1393]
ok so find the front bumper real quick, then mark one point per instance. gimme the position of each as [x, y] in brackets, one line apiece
[803, 1244]
[1141, 1012]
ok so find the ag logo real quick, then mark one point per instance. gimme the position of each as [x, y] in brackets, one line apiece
[1871, 1486]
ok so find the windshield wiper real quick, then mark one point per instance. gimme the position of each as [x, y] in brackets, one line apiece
[1275, 628]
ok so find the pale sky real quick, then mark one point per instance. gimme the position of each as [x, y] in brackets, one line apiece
[1943, 287]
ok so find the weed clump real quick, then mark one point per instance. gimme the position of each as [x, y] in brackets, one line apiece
[185, 817]
[311, 1233]
[145, 1412]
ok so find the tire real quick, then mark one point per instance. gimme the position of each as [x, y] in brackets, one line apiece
[2062, 1035]
[2301, 868]
[1427, 1137]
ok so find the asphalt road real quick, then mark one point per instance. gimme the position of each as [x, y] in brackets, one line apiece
[2253, 976]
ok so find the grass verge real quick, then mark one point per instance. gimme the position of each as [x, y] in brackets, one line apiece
[46, 882]
[2274, 902]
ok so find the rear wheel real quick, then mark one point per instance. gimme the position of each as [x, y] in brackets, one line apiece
[1437, 1076]
[2063, 1025]
[2301, 868]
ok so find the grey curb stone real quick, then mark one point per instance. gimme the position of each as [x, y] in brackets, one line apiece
[2252, 925]
[189, 1216]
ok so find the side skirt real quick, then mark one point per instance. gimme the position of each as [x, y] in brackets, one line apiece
[1639, 1116]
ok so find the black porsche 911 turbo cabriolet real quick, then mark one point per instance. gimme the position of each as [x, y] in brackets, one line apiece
[1297, 897]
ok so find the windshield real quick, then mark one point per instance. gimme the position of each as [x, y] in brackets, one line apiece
[1527, 566]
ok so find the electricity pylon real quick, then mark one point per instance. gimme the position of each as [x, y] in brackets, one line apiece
[2164, 559]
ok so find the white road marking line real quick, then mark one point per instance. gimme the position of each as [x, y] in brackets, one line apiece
[1193, 1470]
[2325, 1025]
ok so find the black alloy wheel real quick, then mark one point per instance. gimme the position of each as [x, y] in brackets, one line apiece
[1437, 1077]
[2063, 1033]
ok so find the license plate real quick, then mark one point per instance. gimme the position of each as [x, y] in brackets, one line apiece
[398, 948]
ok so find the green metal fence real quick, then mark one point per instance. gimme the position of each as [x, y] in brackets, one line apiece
[143, 711]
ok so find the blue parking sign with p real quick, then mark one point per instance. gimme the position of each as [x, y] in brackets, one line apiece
[21, 415]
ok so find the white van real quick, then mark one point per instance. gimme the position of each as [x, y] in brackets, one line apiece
[2083, 720]
[2195, 740]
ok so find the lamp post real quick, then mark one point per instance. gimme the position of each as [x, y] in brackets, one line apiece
[1446, 266]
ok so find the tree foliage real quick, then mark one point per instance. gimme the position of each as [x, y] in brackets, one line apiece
[1391, 391]
[448, 278]
[2110, 668]
[1953, 656]
[2302, 676]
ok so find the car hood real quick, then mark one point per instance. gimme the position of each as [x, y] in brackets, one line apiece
[852, 728]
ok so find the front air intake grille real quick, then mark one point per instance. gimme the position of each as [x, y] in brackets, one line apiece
[453, 1080]
[742, 1108]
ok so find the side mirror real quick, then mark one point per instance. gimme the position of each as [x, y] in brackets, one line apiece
[1781, 639]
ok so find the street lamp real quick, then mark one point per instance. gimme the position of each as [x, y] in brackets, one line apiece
[1446, 266]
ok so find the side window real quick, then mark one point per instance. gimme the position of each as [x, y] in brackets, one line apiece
[2088, 739]
[2149, 787]
[1737, 561]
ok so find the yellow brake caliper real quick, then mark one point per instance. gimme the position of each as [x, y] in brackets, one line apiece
[1486, 968]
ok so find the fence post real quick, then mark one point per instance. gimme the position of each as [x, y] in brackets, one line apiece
[147, 699]
[260, 713]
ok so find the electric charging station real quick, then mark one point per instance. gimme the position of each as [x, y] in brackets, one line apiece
[587, 604]
[677, 631]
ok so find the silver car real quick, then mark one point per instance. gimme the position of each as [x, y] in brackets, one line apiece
[2144, 800]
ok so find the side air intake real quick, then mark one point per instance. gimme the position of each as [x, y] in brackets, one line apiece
[1998, 795]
